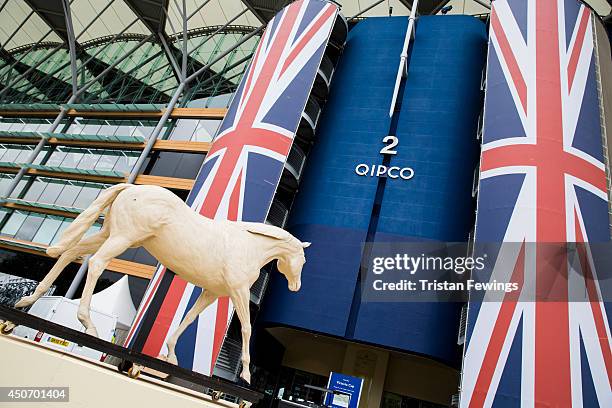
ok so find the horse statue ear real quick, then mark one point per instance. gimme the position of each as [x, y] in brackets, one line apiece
[305, 244]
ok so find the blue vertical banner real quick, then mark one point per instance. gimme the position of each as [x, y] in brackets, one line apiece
[349, 391]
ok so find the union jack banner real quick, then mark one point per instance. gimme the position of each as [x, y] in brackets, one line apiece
[542, 181]
[241, 172]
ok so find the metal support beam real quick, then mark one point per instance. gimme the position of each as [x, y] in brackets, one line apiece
[78, 278]
[184, 66]
[155, 134]
[181, 73]
[71, 45]
[170, 56]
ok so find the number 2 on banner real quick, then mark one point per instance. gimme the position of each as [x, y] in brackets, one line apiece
[392, 142]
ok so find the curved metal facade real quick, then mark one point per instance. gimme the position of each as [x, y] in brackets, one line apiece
[338, 210]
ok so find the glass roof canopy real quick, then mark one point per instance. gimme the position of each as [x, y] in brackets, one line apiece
[130, 51]
[118, 47]
[124, 40]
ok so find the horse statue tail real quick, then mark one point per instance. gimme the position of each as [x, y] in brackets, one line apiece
[81, 224]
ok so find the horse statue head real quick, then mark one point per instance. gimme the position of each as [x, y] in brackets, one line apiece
[288, 251]
[292, 262]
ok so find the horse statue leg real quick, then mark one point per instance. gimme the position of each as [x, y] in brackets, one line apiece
[112, 247]
[86, 246]
[202, 302]
[240, 298]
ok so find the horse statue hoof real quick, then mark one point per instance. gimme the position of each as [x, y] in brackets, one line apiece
[23, 302]
[246, 376]
[91, 331]
[168, 359]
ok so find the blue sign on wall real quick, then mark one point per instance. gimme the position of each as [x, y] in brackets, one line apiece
[350, 388]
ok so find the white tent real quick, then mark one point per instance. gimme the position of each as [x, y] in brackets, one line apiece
[117, 301]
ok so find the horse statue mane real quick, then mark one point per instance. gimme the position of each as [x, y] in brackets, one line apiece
[268, 230]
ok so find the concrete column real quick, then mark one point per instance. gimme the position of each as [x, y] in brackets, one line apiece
[371, 365]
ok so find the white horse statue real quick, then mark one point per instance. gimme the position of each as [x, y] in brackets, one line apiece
[222, 257]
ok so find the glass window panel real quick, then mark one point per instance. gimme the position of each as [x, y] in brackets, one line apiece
[56, 158]
[107, 130]
[68, 195]
[89, 161]
[52, 191]
[86, 196]
[5, 126]
[14, 223]
[30, 226]
[35, 190]
[184, 129]
[107, 161]
[72, 159]
[40, 157]
[124, 130]
[5, 181]
[48, 229]
[65, 223]
[11, 155]
[76, 127]
[29, 127]
[24, 156]
[3, 151]
[3, 213]
[91, 129]
[44, 127]
[20, 186]
[205, 130]
[146, 130]
[122, 165]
